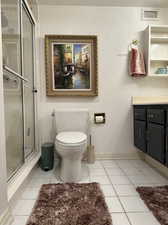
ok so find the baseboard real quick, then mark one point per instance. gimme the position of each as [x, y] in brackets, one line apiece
[158, 166]
[6, 218]
[118, 156]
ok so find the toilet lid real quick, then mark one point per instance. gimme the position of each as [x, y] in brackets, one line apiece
[71, 137]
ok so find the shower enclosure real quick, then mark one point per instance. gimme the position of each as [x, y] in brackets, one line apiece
[18, 29]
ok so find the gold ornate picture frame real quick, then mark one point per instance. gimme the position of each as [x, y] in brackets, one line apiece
[71, 65]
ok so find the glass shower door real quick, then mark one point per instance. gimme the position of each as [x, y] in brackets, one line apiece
[13, 101]
[18, 79]
[28, 72]
[13, 122]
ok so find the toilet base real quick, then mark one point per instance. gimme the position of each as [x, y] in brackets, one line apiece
[70, 170]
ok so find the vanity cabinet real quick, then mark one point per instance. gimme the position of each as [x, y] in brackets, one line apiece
[151, 131]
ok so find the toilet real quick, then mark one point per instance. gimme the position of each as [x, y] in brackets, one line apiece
[72, 129]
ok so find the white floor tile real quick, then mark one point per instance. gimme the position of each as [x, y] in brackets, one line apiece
[114, 171]
[119, 180]
[142, 218]
[132, 171]
[143, 166]
[125, 163]
[147, 185]
[39, 173]
[108, 190]
[141, 179]
[133, 204]
[125, 190]
[109, 164]
[20, 220]
[106, 161]
[140, 164]
[30, 193]
[114, 205]
[96, 165]
[149, 171]
[100, 179]
[23, 207]
[85, 180]
[120, 219]
[38, 182]
[127, 166]
[158, 179]
[55, 180]
[121, 161]
[97, 172]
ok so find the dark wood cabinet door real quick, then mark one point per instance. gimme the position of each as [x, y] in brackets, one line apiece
[155, 144]
[140, 135]
[156, 116]
[166, 146]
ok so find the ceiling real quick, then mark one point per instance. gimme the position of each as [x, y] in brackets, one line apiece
[141, 3]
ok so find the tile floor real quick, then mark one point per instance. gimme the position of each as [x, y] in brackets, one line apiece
[118, 180]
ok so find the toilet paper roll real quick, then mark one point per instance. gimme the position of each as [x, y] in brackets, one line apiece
[99, 119]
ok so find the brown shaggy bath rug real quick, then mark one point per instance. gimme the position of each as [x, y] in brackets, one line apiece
[70, 204]
[156, 198]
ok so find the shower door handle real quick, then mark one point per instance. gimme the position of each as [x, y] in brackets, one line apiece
[35, 90]
[14, 73]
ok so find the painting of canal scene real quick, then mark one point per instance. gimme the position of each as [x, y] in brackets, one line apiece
[71, 66]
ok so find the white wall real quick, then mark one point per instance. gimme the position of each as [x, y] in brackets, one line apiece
[3, 178]
[115, 28]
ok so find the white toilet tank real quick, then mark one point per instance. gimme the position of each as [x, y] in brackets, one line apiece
[72, 120]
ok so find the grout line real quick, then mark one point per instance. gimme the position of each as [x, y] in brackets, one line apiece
[118, 197]
[113, 188]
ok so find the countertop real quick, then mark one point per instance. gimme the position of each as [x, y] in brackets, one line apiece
[154, 100]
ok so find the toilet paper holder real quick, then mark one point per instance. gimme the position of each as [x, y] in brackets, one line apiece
[99, 118]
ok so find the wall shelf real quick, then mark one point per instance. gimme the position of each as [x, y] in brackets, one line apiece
[158, 75]
[159, 39]
[160, 60]
[156, 50]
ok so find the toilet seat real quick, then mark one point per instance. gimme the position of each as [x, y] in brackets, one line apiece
[71, 138]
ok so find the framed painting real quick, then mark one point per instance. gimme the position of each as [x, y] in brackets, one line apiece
[71, 65]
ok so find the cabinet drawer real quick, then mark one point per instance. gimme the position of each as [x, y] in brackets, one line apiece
[139, 114]
[156, 115]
